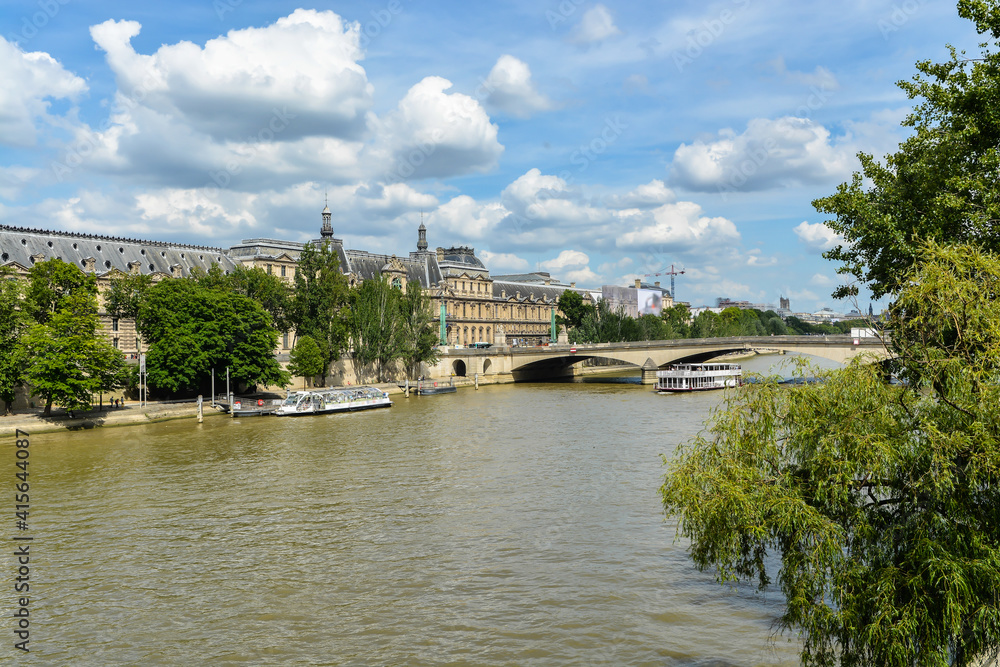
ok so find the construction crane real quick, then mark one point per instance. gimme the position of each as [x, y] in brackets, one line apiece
[672, 273]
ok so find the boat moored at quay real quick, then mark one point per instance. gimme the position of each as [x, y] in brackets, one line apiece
[325, 401]
[679, 378]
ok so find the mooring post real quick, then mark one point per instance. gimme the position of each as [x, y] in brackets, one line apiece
[201, 416]
[477, 380]
[406, 391]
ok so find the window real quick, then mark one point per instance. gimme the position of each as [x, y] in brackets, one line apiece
[282, 270]
[114, 324]
[397, 283]
[269, 271]
[285, 342]
[137, 346]
[115, 341]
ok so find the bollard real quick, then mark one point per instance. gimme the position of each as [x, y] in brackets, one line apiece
[477, 381]
[201, 415]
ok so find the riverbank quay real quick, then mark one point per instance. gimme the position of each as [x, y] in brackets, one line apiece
[33, 421]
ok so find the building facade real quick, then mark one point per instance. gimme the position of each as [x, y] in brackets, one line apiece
[477, 307]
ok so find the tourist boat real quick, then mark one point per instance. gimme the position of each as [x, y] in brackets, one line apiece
[698, 377]
[324, 401]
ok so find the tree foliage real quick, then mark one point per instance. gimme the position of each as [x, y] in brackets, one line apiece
[940, 184]
[67, 361]
[13, 325]
[306, 359]
[573, 309]
[125, 294]
[319, 306]
[192, 327]
[390, 327]
[881, 500]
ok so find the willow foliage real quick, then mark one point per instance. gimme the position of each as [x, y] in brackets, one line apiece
[881, 500]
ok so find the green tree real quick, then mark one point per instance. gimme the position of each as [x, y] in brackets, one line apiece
[253, 282]
[940, 184]
[378, 333]
[881, 500]
[677, 319]
[305, 359]
[68, 361]
[13, 325]
[49, 282]
[125, 294]
[419, 324]
[319, 306]
[573, 309]
[191, 329]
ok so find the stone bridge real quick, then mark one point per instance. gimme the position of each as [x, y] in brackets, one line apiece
[552, 361]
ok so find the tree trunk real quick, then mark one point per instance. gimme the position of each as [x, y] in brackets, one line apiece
[48, 408]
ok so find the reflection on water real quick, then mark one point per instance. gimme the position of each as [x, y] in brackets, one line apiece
[510, 525]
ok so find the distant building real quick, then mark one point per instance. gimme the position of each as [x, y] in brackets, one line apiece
[640, 299]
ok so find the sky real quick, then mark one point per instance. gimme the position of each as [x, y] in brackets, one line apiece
[598, 141]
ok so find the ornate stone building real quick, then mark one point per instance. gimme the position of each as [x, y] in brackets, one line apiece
[478, 308]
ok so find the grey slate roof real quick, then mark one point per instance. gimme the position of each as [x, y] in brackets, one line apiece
[549, 292]
[18, 244]
[419, 267]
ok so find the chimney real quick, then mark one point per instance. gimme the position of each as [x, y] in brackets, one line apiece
[657, 283]
[638, 283]
[572, 284]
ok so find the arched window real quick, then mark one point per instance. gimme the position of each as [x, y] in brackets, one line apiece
[397, 283]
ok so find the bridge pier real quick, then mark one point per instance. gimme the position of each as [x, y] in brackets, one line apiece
[649, 371]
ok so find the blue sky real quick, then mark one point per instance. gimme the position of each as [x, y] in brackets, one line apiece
[597, 141]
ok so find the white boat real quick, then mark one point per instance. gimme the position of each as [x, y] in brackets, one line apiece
[325, 401]
[698, 377]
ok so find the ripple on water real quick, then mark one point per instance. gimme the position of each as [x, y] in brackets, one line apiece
[513, 525]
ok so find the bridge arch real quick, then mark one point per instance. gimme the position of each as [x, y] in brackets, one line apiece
[458, 368]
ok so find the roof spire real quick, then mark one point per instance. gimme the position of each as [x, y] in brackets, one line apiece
[422, 235]
[327, 229]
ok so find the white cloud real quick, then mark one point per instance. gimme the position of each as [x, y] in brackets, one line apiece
[511, 89]
[466, 218]
[677, 227]
[30, 80]
[495, 261]
[755, 258]
[769, 154]
[822, 280]
[817, 237]
[303, 68]
[543, 200]
[649, 195]
[434, 134]
[567, 259]
[596, 25]
[13, 180]
[821, 77]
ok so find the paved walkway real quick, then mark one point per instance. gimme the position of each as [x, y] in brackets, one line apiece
[33, 421]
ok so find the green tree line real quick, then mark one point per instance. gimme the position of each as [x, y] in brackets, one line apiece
[600, 324]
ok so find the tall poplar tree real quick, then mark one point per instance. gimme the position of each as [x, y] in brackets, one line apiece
[319, 306]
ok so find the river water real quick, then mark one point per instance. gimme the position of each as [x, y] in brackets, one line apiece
[514, 525]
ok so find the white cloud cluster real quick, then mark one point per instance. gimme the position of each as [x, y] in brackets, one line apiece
[677, 227]
[271, 107]
[305, 65]
[433, 134]
[502, 261]
[30, 80]
[817, 237]
[596, 26]
[511, 90]
[769, 154]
